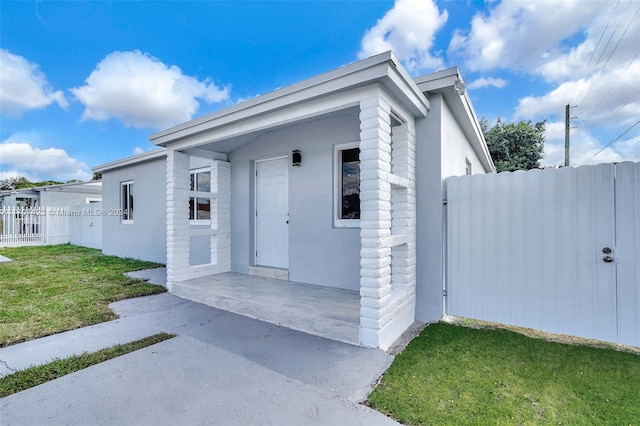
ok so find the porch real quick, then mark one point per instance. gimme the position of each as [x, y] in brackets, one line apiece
[323, 311]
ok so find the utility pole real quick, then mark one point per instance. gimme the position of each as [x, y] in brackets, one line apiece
[567, 135]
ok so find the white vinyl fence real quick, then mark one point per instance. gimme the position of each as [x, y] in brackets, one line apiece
[79, 225]
[556, 250]
[21, 226]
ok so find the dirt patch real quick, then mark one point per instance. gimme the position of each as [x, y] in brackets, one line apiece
[538, 334]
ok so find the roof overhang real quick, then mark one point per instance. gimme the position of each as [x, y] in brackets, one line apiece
[448, 82]
[383, 69]
[91, 187]
[134, 159]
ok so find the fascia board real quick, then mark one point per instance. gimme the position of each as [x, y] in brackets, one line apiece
[438, 80]
[160, 137]
[134, 159]
[381, 68]
[478, 137]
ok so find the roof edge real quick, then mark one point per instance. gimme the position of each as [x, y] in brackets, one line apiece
[127, 161]
[288, 96]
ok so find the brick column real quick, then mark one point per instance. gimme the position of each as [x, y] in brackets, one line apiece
[177, 215]
[375, 219]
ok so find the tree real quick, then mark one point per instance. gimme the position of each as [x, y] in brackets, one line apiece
[514, 146]
[22, 182]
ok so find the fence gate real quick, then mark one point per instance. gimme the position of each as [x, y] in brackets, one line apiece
[556, 250]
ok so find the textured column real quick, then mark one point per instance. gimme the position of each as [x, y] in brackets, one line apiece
[177, 216]
[221, 215]
[375, 218]
[403, 214]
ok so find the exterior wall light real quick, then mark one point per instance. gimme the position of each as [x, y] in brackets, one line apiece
[459, 87]
[296, 158]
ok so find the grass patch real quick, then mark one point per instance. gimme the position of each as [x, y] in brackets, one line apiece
[34, 376]
[456, 375]
[50, 289]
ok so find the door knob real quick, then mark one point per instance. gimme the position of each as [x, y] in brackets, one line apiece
[608, 259]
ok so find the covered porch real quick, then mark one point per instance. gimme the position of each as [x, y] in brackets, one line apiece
[323, 311]
[367, 264]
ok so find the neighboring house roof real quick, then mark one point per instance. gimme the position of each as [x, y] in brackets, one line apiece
[134, 159]
[91, 187]
[448, 82]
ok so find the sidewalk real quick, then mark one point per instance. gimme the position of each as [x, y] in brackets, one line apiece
[222, 366]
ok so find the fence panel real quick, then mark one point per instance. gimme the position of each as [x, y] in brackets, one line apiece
[86, 229]
[20, 226]
[627, 251]
[526, 248]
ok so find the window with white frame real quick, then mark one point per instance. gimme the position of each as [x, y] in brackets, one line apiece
[126, 201]
[347, 185]
[468, 169]
[200, 207]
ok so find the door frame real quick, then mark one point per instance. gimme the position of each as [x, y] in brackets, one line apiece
[255, 203]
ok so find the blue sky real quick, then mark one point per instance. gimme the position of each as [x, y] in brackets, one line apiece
[84, 83]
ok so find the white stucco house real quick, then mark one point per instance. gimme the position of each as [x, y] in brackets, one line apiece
[61, 195]
[335, 181]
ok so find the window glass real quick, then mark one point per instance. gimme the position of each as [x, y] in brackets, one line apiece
[126, 202]
[204, 181]
[350, 179]
[200, 208]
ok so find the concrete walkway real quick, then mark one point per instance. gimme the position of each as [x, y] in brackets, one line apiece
[223, 368]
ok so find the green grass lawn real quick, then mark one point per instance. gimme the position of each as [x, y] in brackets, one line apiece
[458, 376]
[50, 289]
[36, 375]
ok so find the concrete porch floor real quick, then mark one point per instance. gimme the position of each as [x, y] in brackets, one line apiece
[323, 311]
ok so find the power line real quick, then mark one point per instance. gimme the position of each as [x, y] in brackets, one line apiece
[620, 39]
[604, 147]
[634, 58]
[612, 34]
[593, 82]
[603, 33]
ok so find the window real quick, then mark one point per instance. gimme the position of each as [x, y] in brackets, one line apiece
[126, 201]
[347, 185]
[468, 167]
[200, 207]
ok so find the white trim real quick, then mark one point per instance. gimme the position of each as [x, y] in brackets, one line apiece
[200, 194]
[337, 189]
[255, 203]
[134, 159]
[382, 68]
[122, 184]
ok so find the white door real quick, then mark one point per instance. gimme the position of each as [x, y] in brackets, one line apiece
[272, 213]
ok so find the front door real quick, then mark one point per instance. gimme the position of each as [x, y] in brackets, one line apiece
[272, 213]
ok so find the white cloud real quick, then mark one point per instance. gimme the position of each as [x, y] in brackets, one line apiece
[487, 81]
[610, 98]
[137, 150]
[584, 146]
[408, 29]
[523, 35]
[141, 91]
[23, 159]
[23, 86]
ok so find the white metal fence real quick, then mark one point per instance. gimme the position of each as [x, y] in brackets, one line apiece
[556, 250]
[20, 226]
